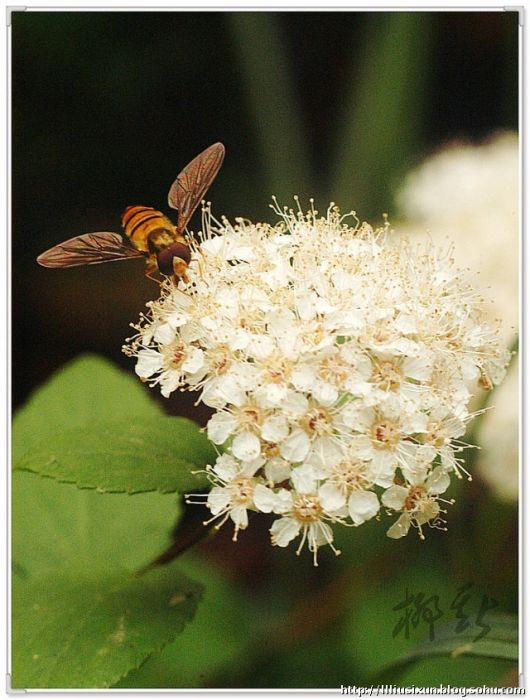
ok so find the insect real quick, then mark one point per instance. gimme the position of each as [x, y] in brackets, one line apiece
[149, 233]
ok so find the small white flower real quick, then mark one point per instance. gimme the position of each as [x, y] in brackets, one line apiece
[233, 492]
[303, 513]
[418, 502]
[348, 484]
[172, 363]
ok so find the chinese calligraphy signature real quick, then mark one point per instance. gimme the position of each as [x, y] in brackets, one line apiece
[416, 609]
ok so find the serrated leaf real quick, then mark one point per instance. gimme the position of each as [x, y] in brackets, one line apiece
[127, 456]
[89, 389]
[218, 642]
[79, 630]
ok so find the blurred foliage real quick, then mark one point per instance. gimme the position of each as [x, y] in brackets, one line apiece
[381, 126]
[107, 107]
[272, 101]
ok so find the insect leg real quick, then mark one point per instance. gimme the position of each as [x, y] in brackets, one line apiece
[151, 270]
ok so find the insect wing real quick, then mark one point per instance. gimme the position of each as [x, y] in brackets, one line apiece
[88, 249]
[191, 184]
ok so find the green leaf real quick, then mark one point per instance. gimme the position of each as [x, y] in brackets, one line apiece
[370, 625]
[89, 389]
[128, 456]
[74, 630]
[500, 642]
[218, 644]
[94, 426]
[53, 523]
[92, 543]
[462, 671]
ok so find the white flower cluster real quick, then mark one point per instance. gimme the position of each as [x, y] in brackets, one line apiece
[337, 359]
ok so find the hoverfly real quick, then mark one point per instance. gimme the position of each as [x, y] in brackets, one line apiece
[149, 233]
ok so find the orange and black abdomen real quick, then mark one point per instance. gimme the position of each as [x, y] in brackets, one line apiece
[141, 222]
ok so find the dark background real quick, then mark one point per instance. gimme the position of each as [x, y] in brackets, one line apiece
[108, 106]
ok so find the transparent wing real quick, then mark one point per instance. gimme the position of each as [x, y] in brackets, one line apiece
[191, 184]
[88, 249]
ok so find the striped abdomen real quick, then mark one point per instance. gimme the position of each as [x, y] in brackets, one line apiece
[148, 229]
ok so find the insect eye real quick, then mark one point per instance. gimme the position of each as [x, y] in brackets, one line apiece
[165, 257]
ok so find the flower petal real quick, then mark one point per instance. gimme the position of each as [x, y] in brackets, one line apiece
[239, 517]
[438, 481]
[363, 505]
[218, 499]
[164, 334]
[303, 479]
[296, 446]
[274, 429]
[331, 497]
[394, 497]
[283, 502]
[284, 531]
[149, 362]
[277, 470]
[264, 498]
[226, 467]
[220, 426]
[194, 361]
[400, 527]
[246, 447]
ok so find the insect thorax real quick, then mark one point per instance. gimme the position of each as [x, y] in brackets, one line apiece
[160, 238]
